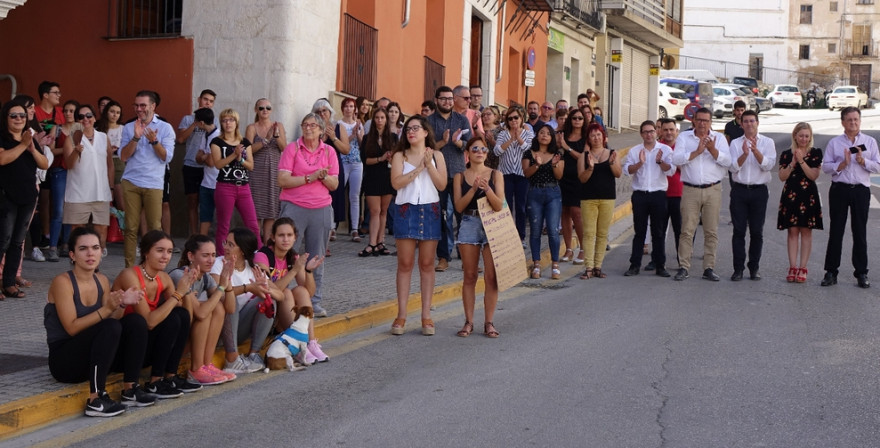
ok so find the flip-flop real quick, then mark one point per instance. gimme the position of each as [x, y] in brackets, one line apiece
[23, 283]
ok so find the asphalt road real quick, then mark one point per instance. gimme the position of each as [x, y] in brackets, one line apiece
[620, 362]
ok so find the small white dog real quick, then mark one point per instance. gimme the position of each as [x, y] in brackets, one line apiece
[292, 344]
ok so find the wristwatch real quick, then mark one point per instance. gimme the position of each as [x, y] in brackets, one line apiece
[154, 142]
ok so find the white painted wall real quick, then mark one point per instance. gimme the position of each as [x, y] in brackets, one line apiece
[730, 31]
[281, 50]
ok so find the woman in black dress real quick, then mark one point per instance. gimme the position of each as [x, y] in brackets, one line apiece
[800, 210]
[571, 142]
[376, 154]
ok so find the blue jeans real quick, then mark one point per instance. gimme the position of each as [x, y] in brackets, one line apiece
[57, 178]
[14, 219]
[544, 206]
[516, 188]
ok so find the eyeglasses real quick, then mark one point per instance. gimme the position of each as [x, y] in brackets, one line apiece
[465, 97]
[323, 111]
[512, 117]
[444, 98]
[576, 118]
[415, 128]
[702, 120]
[481, 149]
[18, 116]
[141, 106]
[547, 107]
[88, 115]
[649, 131]
[56, 92]
[474, 95]
[262, 108]
[228, 120]
[310, 125]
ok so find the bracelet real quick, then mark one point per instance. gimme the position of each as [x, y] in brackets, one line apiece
[308, 271]
[177, 296]
[222, 289]
[99, 313]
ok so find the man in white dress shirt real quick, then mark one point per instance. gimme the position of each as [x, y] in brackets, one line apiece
[649, 163]
[703, 157]
[752, 157]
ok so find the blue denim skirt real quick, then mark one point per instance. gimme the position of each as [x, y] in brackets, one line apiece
[417, 222]
[470, 231]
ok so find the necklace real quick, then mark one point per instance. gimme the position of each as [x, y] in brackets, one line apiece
[147, 276]
[316, 156]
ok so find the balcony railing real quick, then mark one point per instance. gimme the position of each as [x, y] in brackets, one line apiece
[860, 49]
[584, 11]
[651, 10]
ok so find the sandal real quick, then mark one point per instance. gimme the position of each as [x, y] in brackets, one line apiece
[380, 249]
[490, 331]
[427, 327]
[801, 275]
[597, 272]
[466, 330]
[367, 253]
[327, 254]
[588, 274]
[568, 255]
[355, 236]
[13, 292]
[332, 234]
[579, 259]
[22, 283]
[792, 275]
[536, 271]
[555, 273]
[397, 326]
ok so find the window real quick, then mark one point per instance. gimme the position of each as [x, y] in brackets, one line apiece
[865, 2]
[359, 58]
[832, 48]
[148, 18]
[806, 14]
[804, 52]
[832, 6]
[673, 9]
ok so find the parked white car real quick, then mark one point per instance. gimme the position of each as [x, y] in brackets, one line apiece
[786, 94]
[672, 102]
[847, 96]
[722, 106]
[735, 92]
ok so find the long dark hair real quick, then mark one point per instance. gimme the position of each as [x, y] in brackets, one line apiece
[568, 128]
[357, 108]
[371, 147]
[103, 124]
[551, 148]
[150, 239]
[4, 119]
[290, 256]
[28, 101]
[403, 144]
[191, 246]
[246, 242]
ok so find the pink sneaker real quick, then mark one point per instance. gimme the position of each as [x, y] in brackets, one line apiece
[213, 369]
[205, 377]
[316, 351]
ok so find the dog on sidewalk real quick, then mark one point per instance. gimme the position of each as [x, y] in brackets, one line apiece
[288, 349]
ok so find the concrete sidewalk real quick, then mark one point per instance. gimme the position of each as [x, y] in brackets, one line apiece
[359, 293]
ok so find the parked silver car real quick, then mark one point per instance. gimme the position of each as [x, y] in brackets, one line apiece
[736, 90]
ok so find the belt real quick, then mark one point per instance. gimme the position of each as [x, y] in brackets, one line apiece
[846, 185]
[471, 212]
[702, 186]
[546, 185]
[234, 182]
[749, 186]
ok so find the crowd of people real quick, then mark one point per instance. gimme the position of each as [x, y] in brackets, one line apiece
[420, 176]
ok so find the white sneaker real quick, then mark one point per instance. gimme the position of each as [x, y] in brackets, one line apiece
[239, 367]
[256, 362]
[37, 255]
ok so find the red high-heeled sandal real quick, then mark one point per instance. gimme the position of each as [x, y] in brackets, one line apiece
[792, 275]
[801, 275]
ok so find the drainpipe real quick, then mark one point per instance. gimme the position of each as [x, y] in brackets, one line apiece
[13, 82]
[501, 45]
[406, 5]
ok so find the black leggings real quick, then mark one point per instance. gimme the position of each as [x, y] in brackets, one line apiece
[87, 355]
[166, 342]
[132, 347]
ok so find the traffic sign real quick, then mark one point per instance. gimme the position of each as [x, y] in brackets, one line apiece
[530, 82]
[530, 74]
[690, 110]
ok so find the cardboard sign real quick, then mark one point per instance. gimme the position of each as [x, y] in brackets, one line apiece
[507, 251]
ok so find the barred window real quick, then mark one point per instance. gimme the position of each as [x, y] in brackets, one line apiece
[148, 18]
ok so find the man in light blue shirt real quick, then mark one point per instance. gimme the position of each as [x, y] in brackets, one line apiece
[147, 146]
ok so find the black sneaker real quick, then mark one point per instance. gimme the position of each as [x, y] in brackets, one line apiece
[104, 406]
[184, 384]
[138, 397]
[164, 388]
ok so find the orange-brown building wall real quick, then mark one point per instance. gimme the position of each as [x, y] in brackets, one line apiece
[77, 55]
[436, 30]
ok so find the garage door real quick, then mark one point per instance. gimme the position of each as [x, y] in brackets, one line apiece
[634, 91]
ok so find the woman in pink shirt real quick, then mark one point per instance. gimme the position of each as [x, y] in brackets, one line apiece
[307, 173]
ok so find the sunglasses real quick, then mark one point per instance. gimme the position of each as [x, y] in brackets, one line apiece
[262, 108]
[511, 118]
[578, 118]
[18, 116]
[85, 115]
[481, 149]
